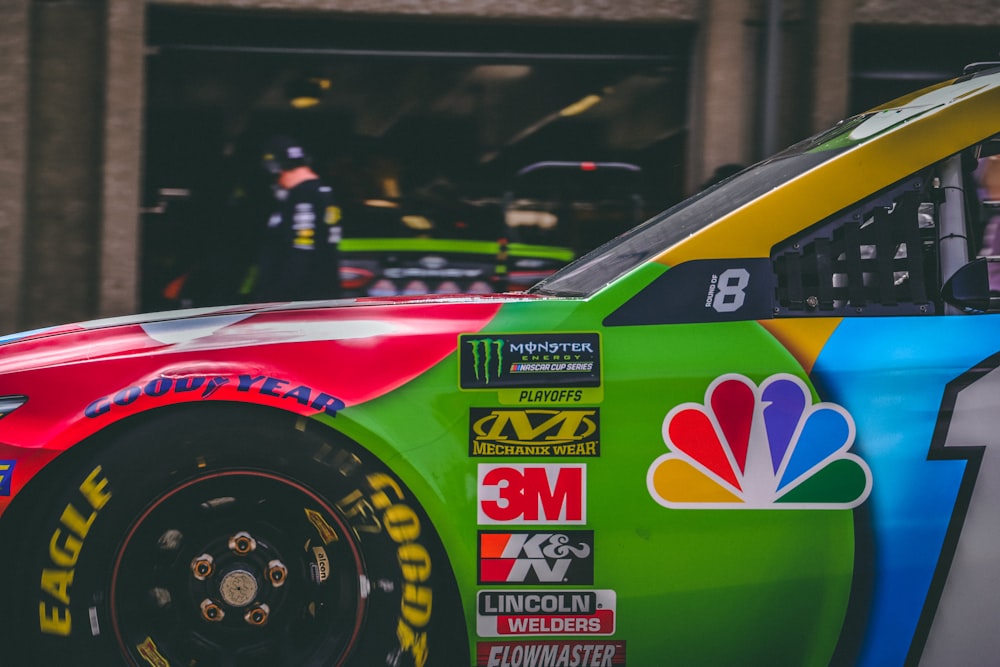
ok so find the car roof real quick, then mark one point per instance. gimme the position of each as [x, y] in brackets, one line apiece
[892, 141]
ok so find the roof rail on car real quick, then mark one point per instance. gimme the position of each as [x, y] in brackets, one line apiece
[980, 66]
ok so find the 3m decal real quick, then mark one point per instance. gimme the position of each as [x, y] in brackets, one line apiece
[552, 653]
[529, 360]
[534, 432]
[65, 545]
[759, 447]
[539, 613]
[539, 494]
[534, 557]
[261, 385]
[6, 473]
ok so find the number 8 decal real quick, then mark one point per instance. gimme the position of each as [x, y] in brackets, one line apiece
[731, 294]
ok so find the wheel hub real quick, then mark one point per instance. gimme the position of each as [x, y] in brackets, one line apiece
[238, 588]
[220, 571]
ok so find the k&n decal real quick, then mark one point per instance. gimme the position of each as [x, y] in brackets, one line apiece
[536, 557]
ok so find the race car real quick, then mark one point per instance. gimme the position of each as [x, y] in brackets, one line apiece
[756, 429]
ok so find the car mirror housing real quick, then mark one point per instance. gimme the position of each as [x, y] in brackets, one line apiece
[969, 287]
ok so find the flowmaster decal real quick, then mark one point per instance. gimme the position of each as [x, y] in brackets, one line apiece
[551, 653]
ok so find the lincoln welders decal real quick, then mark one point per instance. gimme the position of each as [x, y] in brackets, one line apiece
[559, 432]
[551, 653]
[536, 557]
[205, 386]
[542, 613]
[529, 360]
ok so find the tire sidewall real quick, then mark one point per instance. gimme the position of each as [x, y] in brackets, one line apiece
[409, 615]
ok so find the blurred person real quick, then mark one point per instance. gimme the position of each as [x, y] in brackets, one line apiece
[299, 256]
[989, 191]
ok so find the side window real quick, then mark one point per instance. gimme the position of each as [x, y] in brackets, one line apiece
[876, 258]
[988, 175]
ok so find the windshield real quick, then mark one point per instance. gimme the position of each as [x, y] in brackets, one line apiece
[577, 205]
[617, 257]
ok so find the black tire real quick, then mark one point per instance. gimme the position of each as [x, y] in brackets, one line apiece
[227, 536]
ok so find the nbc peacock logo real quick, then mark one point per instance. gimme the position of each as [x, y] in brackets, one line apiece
[759, 447]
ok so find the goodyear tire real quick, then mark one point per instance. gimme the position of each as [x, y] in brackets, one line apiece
[225, 537]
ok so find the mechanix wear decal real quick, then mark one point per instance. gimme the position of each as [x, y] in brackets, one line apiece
[560, 432]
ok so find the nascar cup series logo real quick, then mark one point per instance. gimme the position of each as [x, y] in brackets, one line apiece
[759, 447]
[529, 360]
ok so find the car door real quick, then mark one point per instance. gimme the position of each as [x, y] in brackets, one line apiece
[812, 426]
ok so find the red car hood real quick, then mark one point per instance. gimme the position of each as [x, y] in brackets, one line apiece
[247, 310]
[309, 358]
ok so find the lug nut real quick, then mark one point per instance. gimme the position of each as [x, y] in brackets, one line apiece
[277, 573]
[242, 543]
[202, 567]
[210, 611]
[257, 615]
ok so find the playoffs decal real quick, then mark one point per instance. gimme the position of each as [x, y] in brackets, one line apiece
[542, 613]
[549, 396]
[536, 557]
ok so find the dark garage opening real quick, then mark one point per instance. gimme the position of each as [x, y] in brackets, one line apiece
[435, 111]
[891, 61]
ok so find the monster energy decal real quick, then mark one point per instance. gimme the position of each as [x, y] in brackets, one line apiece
[499, 361]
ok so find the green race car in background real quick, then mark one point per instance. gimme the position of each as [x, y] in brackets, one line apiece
[754, 429]
[435, 243]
